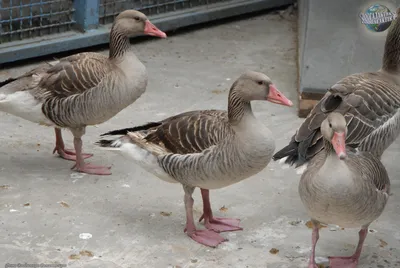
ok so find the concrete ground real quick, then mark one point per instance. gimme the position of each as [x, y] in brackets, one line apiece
[50, 214]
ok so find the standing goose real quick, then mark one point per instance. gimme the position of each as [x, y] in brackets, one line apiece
[82, 89]
[349, 189]
[209, 149]
[370, 103]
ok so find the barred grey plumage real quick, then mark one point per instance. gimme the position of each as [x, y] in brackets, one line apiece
[209, 149]
[350, 193]
[370, 103]
[83, 89]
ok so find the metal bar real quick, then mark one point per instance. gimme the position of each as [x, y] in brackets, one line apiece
[11, 52]
[86, 14]
[20, 22]
[40, 16]
[30, 18]
[10, 24]
[40, 19]
[38, 28]
[50, 17]
[32, 4]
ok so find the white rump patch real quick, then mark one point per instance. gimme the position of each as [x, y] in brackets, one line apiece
[146, 160]
[283, 164]
[300, 170]
[24, 105]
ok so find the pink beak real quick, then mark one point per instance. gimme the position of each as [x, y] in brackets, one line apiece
[151, 29]
[277, 97]
[339, 144]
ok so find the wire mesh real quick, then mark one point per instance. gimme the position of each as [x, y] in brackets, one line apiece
[109, 9]
[21, 19]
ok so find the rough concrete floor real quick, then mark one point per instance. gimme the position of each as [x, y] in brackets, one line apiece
[135, 220]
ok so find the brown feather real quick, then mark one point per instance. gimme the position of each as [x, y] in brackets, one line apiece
[190, 132]
[73, 75]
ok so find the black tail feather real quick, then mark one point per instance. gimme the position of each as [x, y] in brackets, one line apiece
[290, 151]
[7, 81]
[104, 143]
[125, 131]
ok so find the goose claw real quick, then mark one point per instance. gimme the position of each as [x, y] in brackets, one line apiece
[343, 262]
[92, 169]
[207, 238]
[223, 224]
[68, 154]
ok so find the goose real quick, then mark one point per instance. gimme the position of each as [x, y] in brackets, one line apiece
[344, 187]
[83, 89]
[369, 101]
[209, 149]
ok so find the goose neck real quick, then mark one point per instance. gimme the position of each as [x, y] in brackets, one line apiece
[119, 43]
[239, 110]
[391, 56]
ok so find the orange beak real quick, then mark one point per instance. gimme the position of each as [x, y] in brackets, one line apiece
[277, 97]
[151, 29]
[339, 144]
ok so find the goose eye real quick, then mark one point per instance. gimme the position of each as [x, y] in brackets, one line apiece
[260, 82]
[330, 125]
[137, 18]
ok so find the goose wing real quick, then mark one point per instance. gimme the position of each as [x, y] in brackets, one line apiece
[73, 75]
[185, 133]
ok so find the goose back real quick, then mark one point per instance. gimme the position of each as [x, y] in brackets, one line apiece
[370, 103]
[185, 133]
[192, 132]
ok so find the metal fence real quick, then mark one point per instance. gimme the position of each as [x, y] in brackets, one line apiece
[30, 28]
[21, 19]
[111, 8]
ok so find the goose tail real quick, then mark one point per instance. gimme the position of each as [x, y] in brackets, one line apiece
[134, 147]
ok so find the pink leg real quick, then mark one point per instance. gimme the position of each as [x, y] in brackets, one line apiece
[65, 153]
[216, 224]
[315, 237]
[205, 237]
[351, 261]
[88, 168]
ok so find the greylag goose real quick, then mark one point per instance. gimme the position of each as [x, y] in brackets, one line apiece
[343, 187]
[370, 103]
[209, 149]
[82, 89]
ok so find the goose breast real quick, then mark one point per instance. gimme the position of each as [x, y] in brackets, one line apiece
[338, 193]
[135, 76]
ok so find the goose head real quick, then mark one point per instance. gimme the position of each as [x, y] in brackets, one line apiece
[252, 86]
[132, 22]
[334, 130]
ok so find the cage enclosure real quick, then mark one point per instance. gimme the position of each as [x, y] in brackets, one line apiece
[31, 28]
